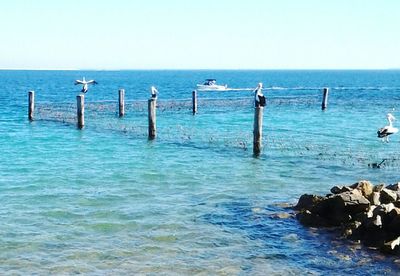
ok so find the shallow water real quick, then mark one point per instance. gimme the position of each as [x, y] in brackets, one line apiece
[194, 201]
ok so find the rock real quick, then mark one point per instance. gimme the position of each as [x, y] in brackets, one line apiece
[370, 212]
[377, 221]
[284, 205]
[366, 213]
[388, 207]
[309, 219]
[374, 198]
[387, 196]
[393, 223]
[308, 201]
[349, 230]
[372, 232]
[394, 187]
[340, 208]
[354, 202]
[397, 203]
[340, 189]
[383, 209]
[364, 186]
[282, 215]
[395, 211]
[391, 246]
[378, 188]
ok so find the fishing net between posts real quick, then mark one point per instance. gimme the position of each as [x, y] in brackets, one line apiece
[222, 124]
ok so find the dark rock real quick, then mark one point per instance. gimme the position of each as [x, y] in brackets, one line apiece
[397, 203]
[395, 211]
[373, 233]
[307, 218]
[350, 230]
[340, 189]
[339, 208]
[366, 213]
[392, 246]
[308, 201]
[387, 196]
[394, 187]
[383, 209]
[354, 202]
[393, 224]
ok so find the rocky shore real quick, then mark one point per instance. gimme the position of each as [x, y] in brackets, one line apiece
[363, 212]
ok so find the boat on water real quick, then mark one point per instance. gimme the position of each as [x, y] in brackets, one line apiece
[211, 84]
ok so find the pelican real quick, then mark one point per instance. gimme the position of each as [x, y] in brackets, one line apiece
[385, 131]
[259, 98]
[153, 92]
[85, 84]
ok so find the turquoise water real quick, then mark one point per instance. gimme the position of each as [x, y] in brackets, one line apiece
[105, 200]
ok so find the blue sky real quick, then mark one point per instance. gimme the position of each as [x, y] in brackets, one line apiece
[189, 34]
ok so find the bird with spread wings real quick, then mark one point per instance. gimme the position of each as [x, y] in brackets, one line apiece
[85, 84]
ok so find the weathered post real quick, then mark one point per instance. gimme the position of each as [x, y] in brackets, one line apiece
[259, 103]
[80, 108]
[325, 98]
[257, 130]
[194, 101]
[152, 118]
[31, 107]
[121, 100]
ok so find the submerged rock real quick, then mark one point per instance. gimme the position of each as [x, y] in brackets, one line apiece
[367, 213]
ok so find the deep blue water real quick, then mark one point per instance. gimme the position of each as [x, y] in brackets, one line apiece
[105, 200]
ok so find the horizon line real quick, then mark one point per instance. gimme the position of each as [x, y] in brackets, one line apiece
[197, 69]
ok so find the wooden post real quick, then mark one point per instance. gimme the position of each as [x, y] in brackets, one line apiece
[31, 107]
[121, 100]
[257, 130]
[194, 101]
[152, 118]
[325, 98]
[80, 108]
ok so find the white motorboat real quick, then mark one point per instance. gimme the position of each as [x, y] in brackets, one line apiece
[211, 84]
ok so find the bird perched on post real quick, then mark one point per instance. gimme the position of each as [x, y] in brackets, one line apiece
[385, 131]
[85, 84]
[153, 92]
[259, 99]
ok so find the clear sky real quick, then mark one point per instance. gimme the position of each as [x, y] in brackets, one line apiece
[194, 34]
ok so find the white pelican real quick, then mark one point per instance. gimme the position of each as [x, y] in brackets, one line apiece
[85, 84]
[385, 131]
[154, 92]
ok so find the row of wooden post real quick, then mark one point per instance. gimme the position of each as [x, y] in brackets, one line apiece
[258, 119]
[324, 100]
[152, 105]
[80, 107]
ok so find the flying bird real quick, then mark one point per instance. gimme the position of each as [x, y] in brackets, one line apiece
[385, 131]
[85, 84]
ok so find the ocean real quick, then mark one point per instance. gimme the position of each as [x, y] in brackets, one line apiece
[194, 201]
